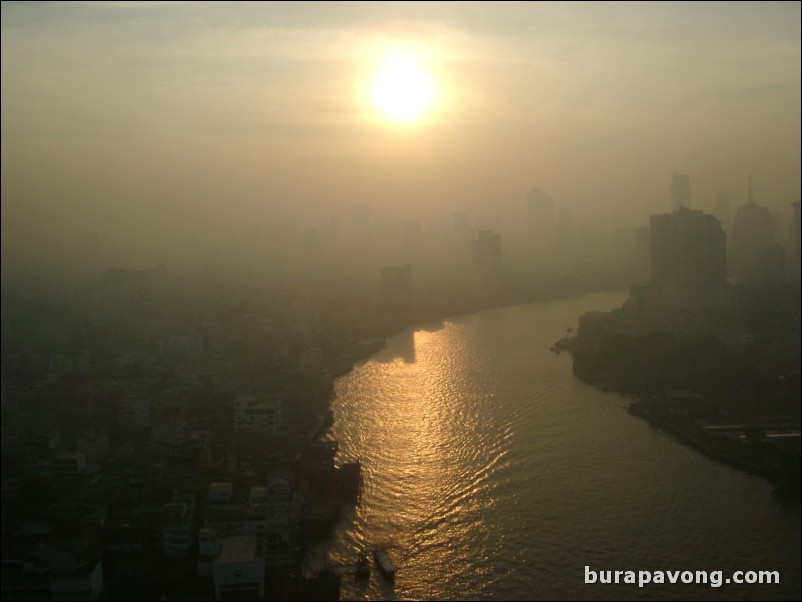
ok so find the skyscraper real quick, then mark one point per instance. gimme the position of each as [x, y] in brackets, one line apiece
[752, 230]
[688, 250]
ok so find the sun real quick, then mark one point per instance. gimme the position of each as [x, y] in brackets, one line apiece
[402, 91]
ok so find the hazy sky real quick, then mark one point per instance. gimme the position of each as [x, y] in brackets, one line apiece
[121, 115]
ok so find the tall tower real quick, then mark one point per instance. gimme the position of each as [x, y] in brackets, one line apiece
[752, 229]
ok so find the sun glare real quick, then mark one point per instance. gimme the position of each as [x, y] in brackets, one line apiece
[402, 91]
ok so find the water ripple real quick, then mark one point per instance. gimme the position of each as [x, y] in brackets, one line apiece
[490, 472]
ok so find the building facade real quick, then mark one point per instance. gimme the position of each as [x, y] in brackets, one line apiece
[253, 415]
[688, 250]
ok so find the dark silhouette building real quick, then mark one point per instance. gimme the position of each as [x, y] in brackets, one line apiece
[688, 249]
[687, 265]
[768, 266]
[796, 252]
[752, 230]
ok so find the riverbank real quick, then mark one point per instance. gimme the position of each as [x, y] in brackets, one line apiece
[717, 380]
[745, 447]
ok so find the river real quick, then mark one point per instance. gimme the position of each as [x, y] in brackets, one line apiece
[491, 472]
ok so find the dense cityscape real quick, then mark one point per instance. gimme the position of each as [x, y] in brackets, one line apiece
[162, 428]
[400, 300]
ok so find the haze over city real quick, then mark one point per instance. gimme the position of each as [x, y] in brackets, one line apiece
[164, 127]
[401, 300]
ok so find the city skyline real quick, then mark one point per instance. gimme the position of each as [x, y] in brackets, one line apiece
[125, 118]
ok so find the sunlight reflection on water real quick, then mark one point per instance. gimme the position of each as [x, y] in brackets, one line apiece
[490, 472]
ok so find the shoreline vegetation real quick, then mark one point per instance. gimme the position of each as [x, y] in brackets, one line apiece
[725, 382]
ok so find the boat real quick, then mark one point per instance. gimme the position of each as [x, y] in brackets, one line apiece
[363, 566]
[384, 564]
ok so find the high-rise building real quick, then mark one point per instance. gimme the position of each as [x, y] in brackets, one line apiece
[688, 250]
[642, 252]
[680, 191]
[752, 230]
[768, 266]
[796, 252]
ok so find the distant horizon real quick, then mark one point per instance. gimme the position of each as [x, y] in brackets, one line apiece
[151, 122]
